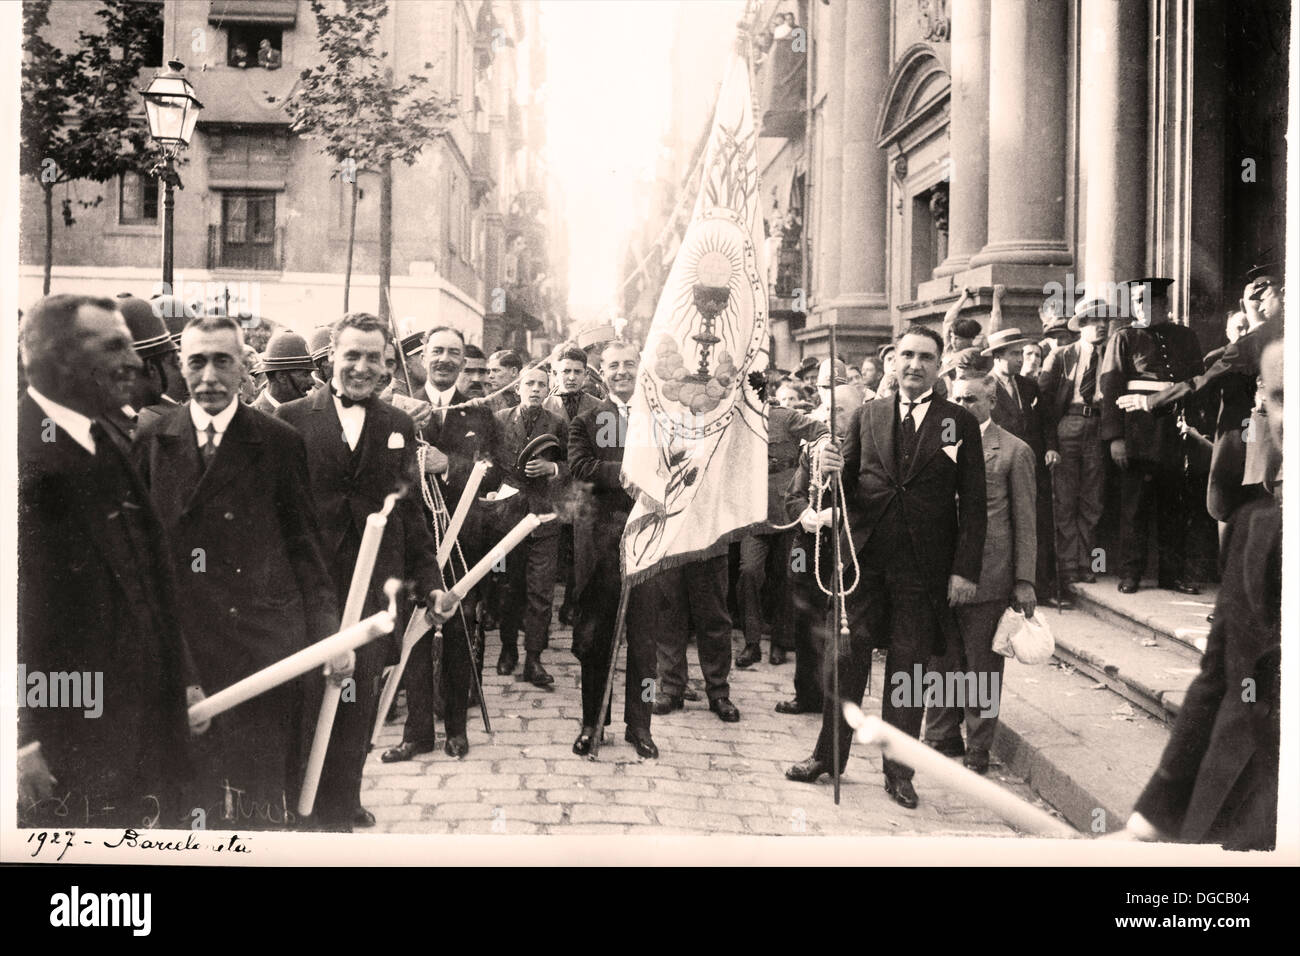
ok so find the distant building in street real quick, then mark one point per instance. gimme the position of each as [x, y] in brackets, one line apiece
[264, 215]
[1053, 147]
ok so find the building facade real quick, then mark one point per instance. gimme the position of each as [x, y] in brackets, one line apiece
[262, 221]
[1054, 148]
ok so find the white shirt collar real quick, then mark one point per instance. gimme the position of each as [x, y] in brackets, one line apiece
[918, 413]
[620, 404]
[220, 421]
[440, 397]
[984, 425]
[73, 422]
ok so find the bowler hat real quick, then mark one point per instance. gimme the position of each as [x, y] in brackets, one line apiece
[810, 364]
[1005, 339]
[149, 334]
[285, 352]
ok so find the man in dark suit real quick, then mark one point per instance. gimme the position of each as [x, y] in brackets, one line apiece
[360, 450]
[231, 487]
[1149, 355]
[96, 598]
[459, 433]
[1006, 578]
[596, 443]
[1019, 410]
[1217, 781]
[572, 400]
[1071, 404]
[529, 579]
[914, 484]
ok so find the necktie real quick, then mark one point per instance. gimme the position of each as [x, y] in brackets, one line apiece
[570, 400]
[1088, 384]
[908, 427]
[208, 450]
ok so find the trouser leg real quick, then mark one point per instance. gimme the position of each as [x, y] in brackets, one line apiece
[669, 591]
[1171, 523]
[978, 623]
[779, 584]
[1066, 478]
[868, 615]
[753, 568]
[514, 597]
[540, 580]
[456, 664]
[418, 681]
[913, 626]
[706, 588]
[1091, 494]
[1136, 483]
[639, 685]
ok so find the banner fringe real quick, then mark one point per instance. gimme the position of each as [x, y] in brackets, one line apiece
[671, 561]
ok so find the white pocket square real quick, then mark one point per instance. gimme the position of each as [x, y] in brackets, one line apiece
[395, 440]
[951, 451]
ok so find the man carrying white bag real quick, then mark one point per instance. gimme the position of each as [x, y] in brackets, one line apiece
[1006, 579]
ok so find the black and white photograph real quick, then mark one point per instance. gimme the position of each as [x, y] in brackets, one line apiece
[793, 431]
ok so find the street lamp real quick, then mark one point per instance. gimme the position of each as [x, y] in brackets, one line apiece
[172, 110]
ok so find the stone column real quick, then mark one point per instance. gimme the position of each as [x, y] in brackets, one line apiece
[1028, 71]
[1113, 140]
[826, 187]
[968, 133]
[865, 186]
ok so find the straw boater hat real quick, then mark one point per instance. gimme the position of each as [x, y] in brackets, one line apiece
[1006, 339]
[149, 334]
[285, 352]
[319, 343]
[1088, 310]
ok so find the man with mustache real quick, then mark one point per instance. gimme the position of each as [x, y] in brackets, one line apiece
[473, 374]
[95, 587]
[458, 434]
[231, 487]
[360, 450]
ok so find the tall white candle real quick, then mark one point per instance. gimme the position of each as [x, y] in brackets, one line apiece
[504, 547]
[292, 666]
[462, 507]
[364, 569]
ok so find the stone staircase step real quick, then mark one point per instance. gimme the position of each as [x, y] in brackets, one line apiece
[1151, 612]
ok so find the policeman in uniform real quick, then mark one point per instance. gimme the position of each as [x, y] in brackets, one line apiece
[287, 367]
[154, 347]
[1147, 446]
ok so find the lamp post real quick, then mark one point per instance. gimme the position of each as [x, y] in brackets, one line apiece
[172, 110]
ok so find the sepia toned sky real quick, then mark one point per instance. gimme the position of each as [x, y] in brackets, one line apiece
[609, 99]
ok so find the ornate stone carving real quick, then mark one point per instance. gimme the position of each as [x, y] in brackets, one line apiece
[932, 15]
[900, 167]
[939, 206]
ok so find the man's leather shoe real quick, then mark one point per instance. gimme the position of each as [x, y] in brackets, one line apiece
[1181, 587]
[690, 693]
[1128, 586]
[808, 771]
[977, 761]
[457, 746]
[1066, 600]
[902, 792]
[639, 738]
[363, 818]
[725, 710]
[751, 655]
[582, 746]
[536, 674]
[777, 656]
[404, 751]
[667, 703]
[795, 707]
[508, 660]
[949, 747]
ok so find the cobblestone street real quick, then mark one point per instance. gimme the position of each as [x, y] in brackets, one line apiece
[711, 777]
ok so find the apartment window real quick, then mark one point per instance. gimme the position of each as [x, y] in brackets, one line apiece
[248, 230]
[254, 45]
[137, 199]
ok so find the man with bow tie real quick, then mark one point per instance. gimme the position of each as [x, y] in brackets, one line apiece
[360, 450]
[458, 433]
[915, 496]
[230, 484]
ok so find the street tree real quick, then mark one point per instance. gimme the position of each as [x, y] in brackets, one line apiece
[81, 111]
[349, 104]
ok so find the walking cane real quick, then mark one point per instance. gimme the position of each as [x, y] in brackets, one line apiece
[839, 620]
